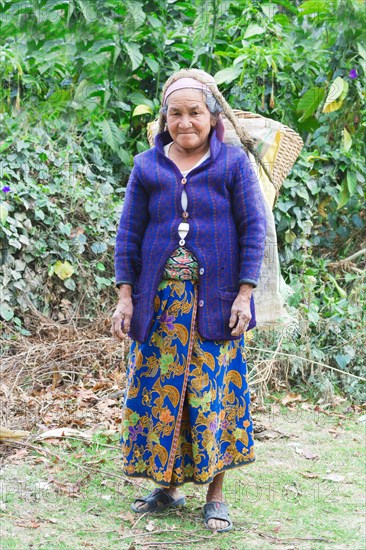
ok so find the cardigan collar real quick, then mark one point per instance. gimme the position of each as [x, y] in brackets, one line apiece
[164, 138]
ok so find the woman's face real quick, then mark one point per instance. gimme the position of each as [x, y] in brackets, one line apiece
[188, 119]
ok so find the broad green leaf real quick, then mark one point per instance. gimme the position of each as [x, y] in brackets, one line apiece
[111, 134]
[228, 75]
[346, 140]
[4, 212]
[134, 54]
[134, 18]
[337, 93]
[336, 89]
[253, 30]
[81, 91]
[343, 196]
[269, 10]
[154, 65]
[142, 110]
[361, 51]
[63, 270]
[310, 101]
[286, 4]
[351, 183]
[314, 6]
[88, 11]
[5, 145]
[125, 157]
[6, 312]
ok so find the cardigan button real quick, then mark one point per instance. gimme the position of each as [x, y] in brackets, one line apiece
[200, 303]
[184, 181]
[185, 214]
[182, 242]
[202, 271]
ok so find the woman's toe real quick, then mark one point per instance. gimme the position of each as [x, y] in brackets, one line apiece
[141, 505]
[217, 524]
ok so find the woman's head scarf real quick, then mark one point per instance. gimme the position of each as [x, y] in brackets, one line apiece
[188, 82]
[196, 78]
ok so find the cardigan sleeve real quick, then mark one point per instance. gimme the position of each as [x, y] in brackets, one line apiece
[250, 219]
[131, 229]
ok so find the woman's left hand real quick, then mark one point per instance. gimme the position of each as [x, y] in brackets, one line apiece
[240, 315]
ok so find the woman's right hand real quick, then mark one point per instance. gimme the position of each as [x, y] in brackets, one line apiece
[121, 318]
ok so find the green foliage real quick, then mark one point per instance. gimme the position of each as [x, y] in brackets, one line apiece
[80, 80]
[58, 234]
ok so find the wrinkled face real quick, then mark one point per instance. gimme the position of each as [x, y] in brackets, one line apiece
[188, 119]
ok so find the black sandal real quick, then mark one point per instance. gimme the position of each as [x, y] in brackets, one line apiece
[157, 496]
[217, 510]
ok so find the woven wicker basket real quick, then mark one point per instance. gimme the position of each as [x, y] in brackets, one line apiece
[277, 145]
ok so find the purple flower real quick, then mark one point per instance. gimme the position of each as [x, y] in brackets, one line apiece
[227, 458]
[134, 430]
[225, 424]
[6, 189]
[213, 426]
[133, 433]
[168, 320]
[353, 73]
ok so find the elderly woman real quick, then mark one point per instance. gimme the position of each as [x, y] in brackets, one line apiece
[188, 253]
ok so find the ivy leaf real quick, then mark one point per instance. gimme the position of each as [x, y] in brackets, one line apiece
[70, 284]
[63, 270]
[6, 312]
[309, 102]
[302, 192]
[134, 54]
[99, 248]
[4, 212]
[343, 360]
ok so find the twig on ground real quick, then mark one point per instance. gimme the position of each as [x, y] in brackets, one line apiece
[309, 361]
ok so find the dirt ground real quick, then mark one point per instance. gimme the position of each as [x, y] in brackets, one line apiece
[304, 491]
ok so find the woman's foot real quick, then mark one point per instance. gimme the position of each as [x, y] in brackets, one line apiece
[173, 492]
[214, 494]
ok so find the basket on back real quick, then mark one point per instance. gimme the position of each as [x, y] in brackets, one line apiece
[277, 145]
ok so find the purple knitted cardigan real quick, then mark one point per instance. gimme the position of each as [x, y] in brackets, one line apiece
[227, 232]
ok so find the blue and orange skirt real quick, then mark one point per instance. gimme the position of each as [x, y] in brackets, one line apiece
[186, 414]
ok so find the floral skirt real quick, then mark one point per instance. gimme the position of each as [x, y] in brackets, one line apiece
[186, 414]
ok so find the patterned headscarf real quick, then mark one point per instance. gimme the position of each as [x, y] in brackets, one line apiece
[196, 84]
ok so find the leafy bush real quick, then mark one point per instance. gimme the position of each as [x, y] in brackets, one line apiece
[58, 227]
